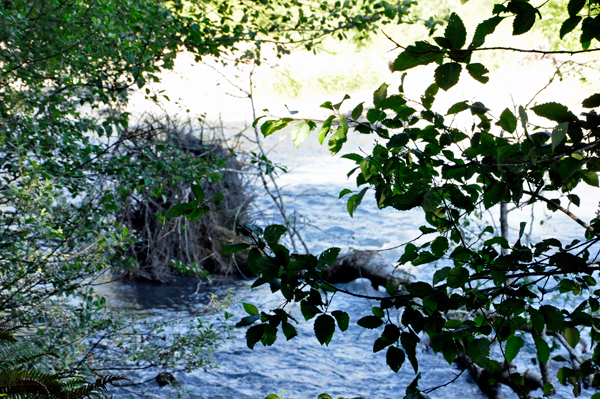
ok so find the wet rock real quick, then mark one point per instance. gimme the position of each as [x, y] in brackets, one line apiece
[166, 378]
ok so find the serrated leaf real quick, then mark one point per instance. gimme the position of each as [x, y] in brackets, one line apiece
[524, 20]
[300, 133]
[271, 126]
[370, 322]
[559, 133]
[455, 32]
[568, 25]
[421, 53]
[554, 111]
[324, 328]
[342, 318]
[572, 336]
[592, 101]
[254, 334]
[458, 107]
[447, 75]
[543, 350]
[308, 311]
[478, 72]
[289, 331]
[513, 346]
[485, 28]
[337, 140]
[575, 6]
[395, 358]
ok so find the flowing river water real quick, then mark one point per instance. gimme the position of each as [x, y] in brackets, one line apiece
[302, 368]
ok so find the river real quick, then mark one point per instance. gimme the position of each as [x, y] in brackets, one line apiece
[302, 368]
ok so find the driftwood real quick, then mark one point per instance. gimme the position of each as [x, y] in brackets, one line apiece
[365, 264]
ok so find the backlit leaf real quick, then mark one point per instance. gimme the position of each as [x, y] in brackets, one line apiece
[447, 75]
[324, 328]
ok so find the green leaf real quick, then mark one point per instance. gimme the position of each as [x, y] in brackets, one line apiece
[324, 328]
[477, 72]
[398, 140]
[324, 396]
[485, 28]
[513, 346]
[233, 248]
[455, 32]
[440, 275]
[248, 320]
[271, 126]
[380, 94]
[449, 351]
[357, 111]
[300, 133]
[344, 192]
[524, 20]
[559, 133]
[328, 105]
[421, 53]
[308, 311]
[273, 233]
[324, 131]
[508, 121]
[355, 200]
[197, 213]
[458, 107]
[342, 318]
[198, 192]
[180, 210]
[568, 25]
[592, 101]
[575, 6]
[289, 331]
[447, 75]
[254, 334]
[337, 140]
[370, 322]
[555, 112]
[216, 197]
[327, 257]
[257, 120]
[590, 177]
[543, 350]
[250, 308]
[439, 246]
[395, 358]
[572, 336]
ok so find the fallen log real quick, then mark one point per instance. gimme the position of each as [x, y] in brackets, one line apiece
[365, 264]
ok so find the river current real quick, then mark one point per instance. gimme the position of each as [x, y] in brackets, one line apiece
[301, 368]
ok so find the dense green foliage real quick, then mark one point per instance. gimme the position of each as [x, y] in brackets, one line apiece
[74, 163]
[491, 295]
